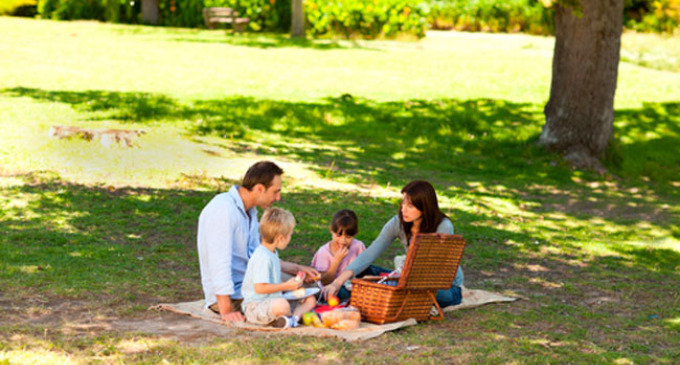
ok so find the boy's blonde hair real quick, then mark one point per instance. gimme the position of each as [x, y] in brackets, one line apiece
[276, 221]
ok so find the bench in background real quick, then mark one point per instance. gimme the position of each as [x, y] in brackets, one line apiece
[215, 16]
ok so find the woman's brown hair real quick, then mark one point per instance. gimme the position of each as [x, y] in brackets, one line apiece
[424, 198]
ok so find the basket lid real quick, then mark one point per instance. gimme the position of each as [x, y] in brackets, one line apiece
[432, 261]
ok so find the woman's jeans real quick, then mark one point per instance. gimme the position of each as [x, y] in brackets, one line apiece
[451, 296]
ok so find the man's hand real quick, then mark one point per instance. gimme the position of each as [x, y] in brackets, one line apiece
[224, 305]
[233, 317]
[312, 274]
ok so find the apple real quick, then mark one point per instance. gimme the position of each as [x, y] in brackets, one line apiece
[300, 276]
[333, 301]
[308, 318]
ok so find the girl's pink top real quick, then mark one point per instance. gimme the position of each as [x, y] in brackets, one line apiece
[323, 257]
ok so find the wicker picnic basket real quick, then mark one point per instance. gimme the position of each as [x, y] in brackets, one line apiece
[431, 264]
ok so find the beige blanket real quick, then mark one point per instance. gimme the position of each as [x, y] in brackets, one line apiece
[471, 298]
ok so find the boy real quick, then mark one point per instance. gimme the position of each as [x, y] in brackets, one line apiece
[263, 302]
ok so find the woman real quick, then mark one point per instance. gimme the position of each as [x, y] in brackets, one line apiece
[419, 213]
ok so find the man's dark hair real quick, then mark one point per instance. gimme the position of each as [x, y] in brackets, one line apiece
[263, 173]
[345, 222]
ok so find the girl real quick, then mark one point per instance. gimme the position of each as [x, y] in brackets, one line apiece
[418, 213]
[333, 257]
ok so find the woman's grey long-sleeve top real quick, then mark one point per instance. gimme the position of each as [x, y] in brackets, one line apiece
[391, 231]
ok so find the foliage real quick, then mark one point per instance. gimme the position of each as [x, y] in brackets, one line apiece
[12, 7]
[360, 18]
[264, 14]
[528, 16]
[123, 11]
[270, 15]
[366, 19]
[67, 10]
[664, 17]
[181, 13]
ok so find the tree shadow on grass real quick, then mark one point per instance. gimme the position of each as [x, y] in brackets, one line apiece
[122, 106]
[459, 145]
[648, 142]
[136, 246]
[272, 41]
[74, 238]
[357, 136]
[228, 36]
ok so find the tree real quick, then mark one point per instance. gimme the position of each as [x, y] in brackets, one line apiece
[579, 116]
[150, 12]
[297, 29]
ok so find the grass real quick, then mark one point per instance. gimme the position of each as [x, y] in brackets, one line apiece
[90, 237]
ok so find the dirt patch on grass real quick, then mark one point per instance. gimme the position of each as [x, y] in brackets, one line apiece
[178, 327]
[76, 318]
[605, 200]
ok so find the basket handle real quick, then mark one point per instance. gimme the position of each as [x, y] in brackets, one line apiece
[441, 314]
[403, 302]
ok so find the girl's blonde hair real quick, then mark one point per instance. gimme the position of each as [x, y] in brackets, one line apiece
[274, 222]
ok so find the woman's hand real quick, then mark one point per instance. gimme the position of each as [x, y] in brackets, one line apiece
[330, 290]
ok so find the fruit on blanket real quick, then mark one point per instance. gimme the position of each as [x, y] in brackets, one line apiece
[316, 321]
[345, 324]
[309, 317]
[353, 315]
[332, 317]
[342, 318]
[333, 301]
[299, 293]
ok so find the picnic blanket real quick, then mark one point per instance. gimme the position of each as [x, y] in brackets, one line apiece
[471, 298]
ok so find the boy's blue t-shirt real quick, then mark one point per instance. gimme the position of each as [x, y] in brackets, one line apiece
[263, 267]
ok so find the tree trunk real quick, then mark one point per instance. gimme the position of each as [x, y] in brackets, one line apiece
[297, 29]
[150, 12]
[579, 116]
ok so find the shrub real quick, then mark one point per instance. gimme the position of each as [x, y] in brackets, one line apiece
[17, 7]
[356, 18]
[181, 13]
[665, 17]
[272, 15]
[120, 11]
[366, 19]
[491, 16]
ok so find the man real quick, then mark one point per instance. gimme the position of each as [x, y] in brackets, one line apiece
[228, 233]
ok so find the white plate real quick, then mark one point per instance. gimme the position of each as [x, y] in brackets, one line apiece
[308, 291]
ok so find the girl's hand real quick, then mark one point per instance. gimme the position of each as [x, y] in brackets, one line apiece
[340, 254]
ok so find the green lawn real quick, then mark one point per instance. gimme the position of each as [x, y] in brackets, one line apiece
[92, 236]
